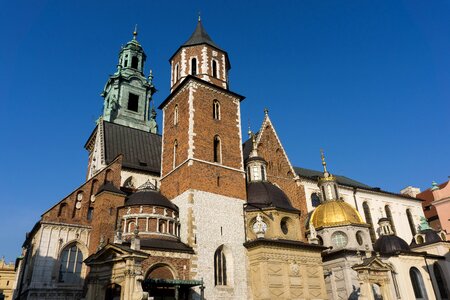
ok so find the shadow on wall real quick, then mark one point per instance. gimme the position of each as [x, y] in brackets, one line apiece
[44, 276]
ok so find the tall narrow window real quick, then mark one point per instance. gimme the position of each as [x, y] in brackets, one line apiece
[175, 75]
[220, 267]
[90, 213]
[70, 266]
[134, 62]
[315, 200]
[214, 68]
[125, 63]
[62, 210]
[411, 222]
[133, 102]
[387, 209]
[440, 282]
[369, 221]
[175, 150]
[175, 115]
[217, 150]
[417, 284]
[216, 110]
[263, 173]
[194, 66]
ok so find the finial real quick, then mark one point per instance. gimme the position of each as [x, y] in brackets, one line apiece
[150, 76]
[434, 186]
[324, 163]
[199, 16]
[135, 32]
[266, 111]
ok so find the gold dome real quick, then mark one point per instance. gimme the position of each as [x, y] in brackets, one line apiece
[335, 213]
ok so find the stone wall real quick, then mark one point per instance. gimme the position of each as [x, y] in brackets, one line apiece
[209, 221]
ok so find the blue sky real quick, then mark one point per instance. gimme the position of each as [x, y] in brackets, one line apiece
[367, 81]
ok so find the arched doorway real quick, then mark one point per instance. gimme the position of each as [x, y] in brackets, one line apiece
[113, 292]
[160, 291]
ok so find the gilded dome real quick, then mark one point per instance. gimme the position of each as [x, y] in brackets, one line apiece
[335, 213]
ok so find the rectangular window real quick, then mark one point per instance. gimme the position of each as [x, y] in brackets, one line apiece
[133, 102]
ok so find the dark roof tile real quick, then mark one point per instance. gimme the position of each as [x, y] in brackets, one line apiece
[141, 150]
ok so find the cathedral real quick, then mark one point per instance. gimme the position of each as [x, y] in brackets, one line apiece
[194, 210]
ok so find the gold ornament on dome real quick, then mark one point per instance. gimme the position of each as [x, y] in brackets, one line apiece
[335, 213]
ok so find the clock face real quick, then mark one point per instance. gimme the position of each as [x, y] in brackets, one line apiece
[259, 226]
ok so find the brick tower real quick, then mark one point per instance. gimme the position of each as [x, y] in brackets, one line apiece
[202, 166]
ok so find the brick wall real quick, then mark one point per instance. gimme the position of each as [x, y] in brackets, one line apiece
[195, 134]
[279, 170]
[69, 212]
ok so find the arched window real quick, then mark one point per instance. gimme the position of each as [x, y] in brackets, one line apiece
[216, 110]
[71, 263]
[369, 221]
[263, 173]
[194, 66]
[175, 74]
[220, 267]
[217, 150]
[175, 152]
[214, 69]
[315, 200]
[440, 282]
[387, 209]
[134, 62]
[109, 175]
[175, 115]
[62, 210]
[417, 283]
[411, 222]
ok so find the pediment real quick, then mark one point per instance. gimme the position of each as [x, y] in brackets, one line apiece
[373, 264]
[112, 252]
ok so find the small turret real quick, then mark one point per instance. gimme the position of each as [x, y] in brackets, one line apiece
[255, 164]
[327, 183]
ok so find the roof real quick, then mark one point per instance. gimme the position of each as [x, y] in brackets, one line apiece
[389, 244]
[141, 150]
[427, 195]
[264, 194]
[285, 243]
[149, 197]
[109, 187]
[200, 36]
[190, 77]
[342, 180]
[163, 244]
[335, 213]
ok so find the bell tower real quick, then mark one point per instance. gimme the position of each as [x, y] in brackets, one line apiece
[202, 168]
[127, 93]
[202, 143]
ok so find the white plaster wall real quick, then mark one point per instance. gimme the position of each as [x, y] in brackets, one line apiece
[376, 201]
[139, 178]
[402, 265]
[218, 221]
[52, 239]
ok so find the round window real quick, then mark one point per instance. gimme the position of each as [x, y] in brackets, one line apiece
[359, 238]
[339, 239]
[284, 225]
